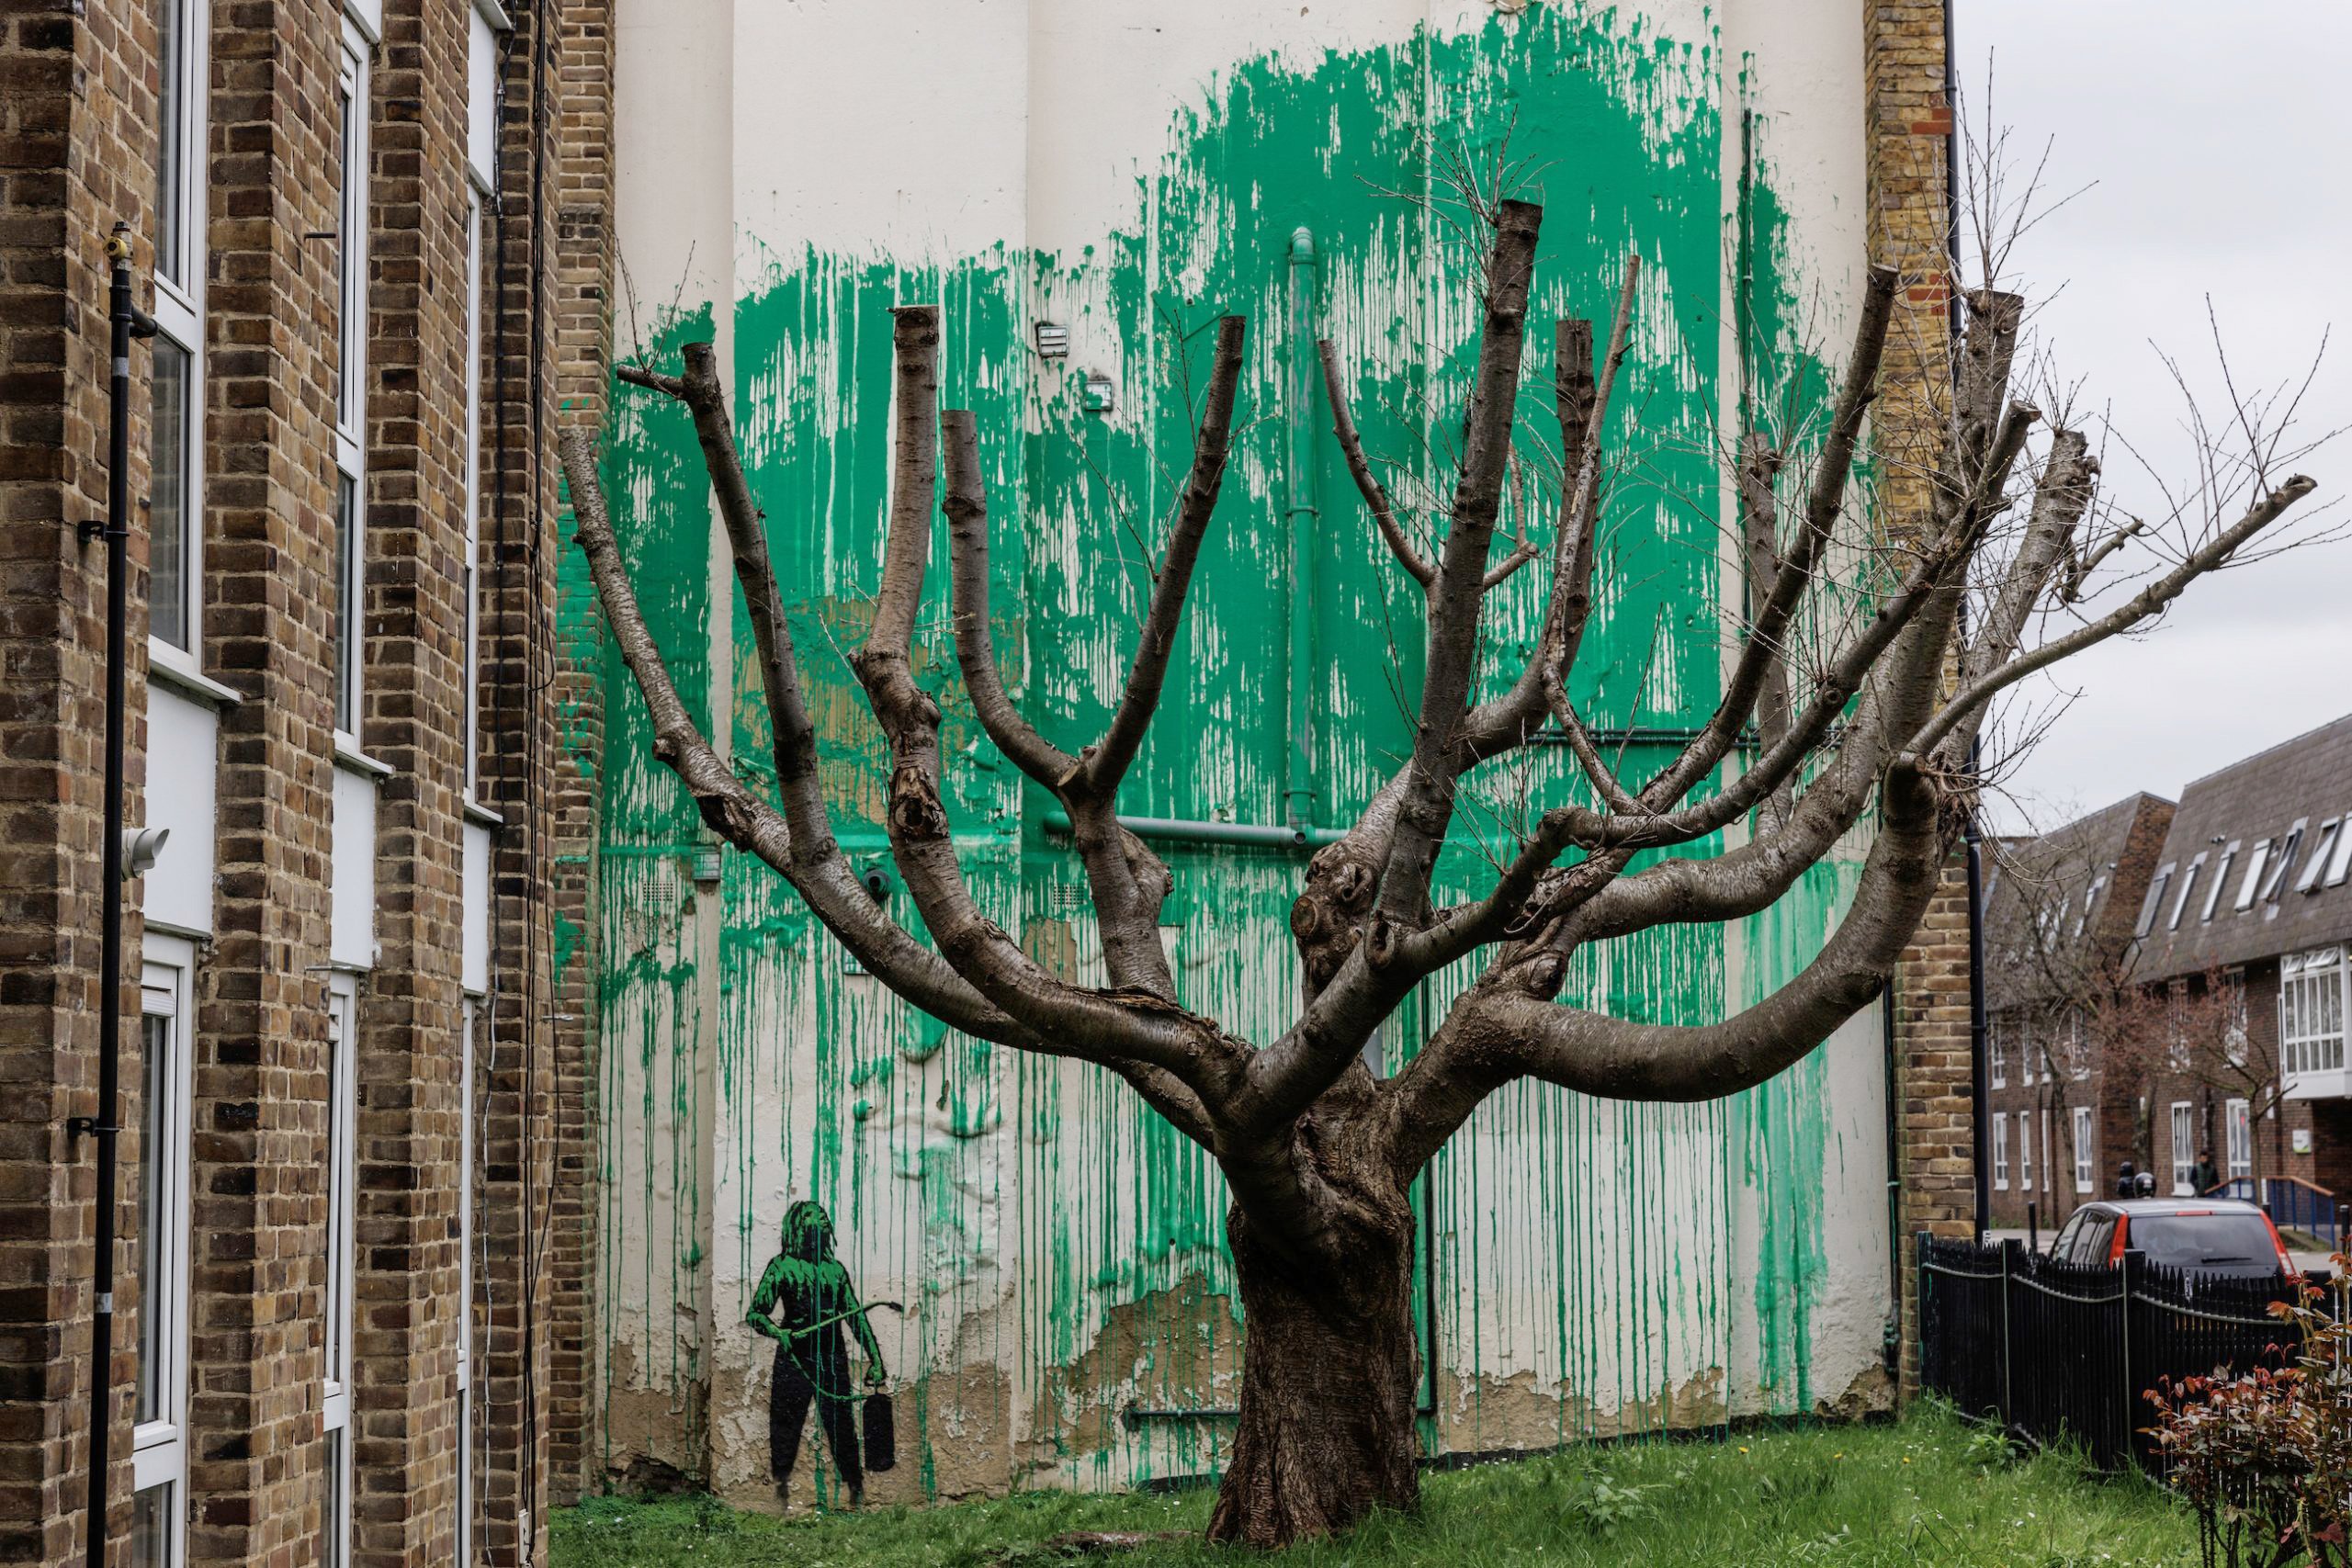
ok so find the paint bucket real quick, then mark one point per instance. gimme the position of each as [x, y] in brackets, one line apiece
[881, 1434]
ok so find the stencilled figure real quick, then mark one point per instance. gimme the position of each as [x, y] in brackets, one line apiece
[803, 1301]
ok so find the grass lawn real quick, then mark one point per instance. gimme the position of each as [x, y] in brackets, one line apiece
[1925, 1494]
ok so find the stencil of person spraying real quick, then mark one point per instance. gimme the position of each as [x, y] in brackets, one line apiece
[803, 1300]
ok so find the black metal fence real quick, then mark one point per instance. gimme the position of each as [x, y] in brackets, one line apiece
[2063, 1352]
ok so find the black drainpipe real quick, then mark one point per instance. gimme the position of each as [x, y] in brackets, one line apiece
[126, 322]
[1979, 1113]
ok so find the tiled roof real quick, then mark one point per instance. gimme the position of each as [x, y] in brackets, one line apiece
[2063, 902]
[2288, 803]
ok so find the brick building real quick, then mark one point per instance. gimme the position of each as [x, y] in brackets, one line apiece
[2251, 899]
[2059, 916]
[371, 238]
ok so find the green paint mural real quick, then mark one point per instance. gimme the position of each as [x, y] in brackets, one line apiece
[1592, 1268]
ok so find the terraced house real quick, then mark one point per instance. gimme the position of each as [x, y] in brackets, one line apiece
[365, 245]
[476, 1109]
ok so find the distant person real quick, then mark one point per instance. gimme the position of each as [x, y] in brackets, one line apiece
[802, 1302]
[2204, 1179]
[2144, 1184]
[2126, 1184]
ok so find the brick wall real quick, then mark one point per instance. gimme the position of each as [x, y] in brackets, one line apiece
[258, 1269]
[1909, 120]
[77, 102]
[522, 1220]
[583, 277]
[76, 97]
[409, 1310]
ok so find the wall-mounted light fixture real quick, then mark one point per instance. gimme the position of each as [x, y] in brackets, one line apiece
[1053, 341]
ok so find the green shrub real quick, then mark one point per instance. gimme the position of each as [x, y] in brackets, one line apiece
[2265, 1456]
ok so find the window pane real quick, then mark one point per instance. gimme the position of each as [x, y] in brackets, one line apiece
[343, 258]
[151, 1527]
[338, 1148]
[167, 522]
[155, 1194]
[345, 608]
[171, 193]
[334, 1540]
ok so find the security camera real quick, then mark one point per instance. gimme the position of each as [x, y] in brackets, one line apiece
[141, 846]
[878, 879]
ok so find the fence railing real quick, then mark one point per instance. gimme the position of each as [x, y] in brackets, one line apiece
[2062, 1351]
[2292, 1202]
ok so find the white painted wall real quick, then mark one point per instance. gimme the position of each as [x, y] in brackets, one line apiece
[183, 768]
[920, 132]
[351, 938]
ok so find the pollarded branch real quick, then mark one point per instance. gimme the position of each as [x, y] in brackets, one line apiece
[1145, 1028]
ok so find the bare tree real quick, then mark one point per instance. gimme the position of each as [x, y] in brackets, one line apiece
[1876, 705]
[2191, 1029]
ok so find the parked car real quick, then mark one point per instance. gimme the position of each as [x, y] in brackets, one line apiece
[2210, 1236]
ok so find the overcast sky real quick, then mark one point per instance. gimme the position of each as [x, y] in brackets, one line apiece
[2220, 135]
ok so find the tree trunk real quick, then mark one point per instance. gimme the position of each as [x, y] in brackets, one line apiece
[1327, 1377]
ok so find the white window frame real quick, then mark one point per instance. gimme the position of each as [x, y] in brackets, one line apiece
[342, 1177]
[2188, 887]
[2049, 1166]
[2311, 1012]
[2000, 1153]
[2086, 1157]
[158, 1443]
[2257, 860]
[2221, 881]
[2284, 865]
[178, 311]
[351, 385]
[2323, 854]
[2238, 1140]
[2155, 900]
[471, 691]
[470, 1015]
[2340, 863]
[2184, 1148]
[1997, 1056]
[2025, 1151]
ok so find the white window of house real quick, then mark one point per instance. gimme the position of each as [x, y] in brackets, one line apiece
[2188, 887]
[469, 1032]
[2049, 1166]
[2156, 898]
[2311, 1011]
[2237, 1124]
[2025, 1151]
[2322, 852]
[2255, 859]
[2184, 1152]
[2001, 1153]
[2285, 860]
[2233, 1031]
[2090, 902]
[159, 1431]
[351, 390]
[2078, 1047]
[176, 450]
[2340, 862]
[2220, 880]
[2084, 1154]
[341, 1101]
[1997, 1054]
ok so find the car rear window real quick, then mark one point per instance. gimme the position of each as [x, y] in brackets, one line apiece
[2224, 1242]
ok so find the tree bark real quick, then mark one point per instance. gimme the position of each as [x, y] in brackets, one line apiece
[1328, 1374]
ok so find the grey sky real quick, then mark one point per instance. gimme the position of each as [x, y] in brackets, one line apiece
[2216, 132]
